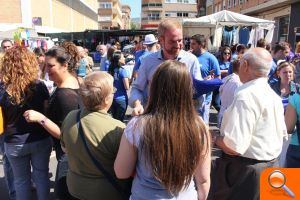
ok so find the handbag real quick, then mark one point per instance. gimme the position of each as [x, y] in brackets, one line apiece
[108, 176]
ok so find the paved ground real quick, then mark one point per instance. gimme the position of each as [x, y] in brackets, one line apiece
[53, 163]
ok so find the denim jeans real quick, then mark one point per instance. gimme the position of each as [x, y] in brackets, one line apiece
[8, 173]
[23, 157]
[204, 111]
[293, 156]
[118, 108]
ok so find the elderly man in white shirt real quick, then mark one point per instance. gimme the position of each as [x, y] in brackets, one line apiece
[252, 131]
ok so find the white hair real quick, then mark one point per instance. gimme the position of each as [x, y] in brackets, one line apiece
[260, 61]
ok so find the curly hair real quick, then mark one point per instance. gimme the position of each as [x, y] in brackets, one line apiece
[19, 71]
[71, 49]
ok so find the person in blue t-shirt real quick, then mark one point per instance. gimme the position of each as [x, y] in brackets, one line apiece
[121, 83]
[279, 52]
[150, 43]
[224, 61]
[209, 67]
[292, 120]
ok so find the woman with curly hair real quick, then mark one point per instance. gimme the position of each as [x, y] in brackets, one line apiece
[65, 98]
[26, 145]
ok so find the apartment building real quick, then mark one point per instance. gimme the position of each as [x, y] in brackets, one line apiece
[110, 14]
[153, 11]
[126, 20]
[50, 15]
[285, 13]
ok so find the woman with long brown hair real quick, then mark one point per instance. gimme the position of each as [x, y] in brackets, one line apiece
[27, 145]
[168, 146]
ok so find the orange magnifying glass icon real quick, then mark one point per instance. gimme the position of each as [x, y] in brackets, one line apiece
[277, 180]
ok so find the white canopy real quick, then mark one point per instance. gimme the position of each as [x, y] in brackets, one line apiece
[226, 18]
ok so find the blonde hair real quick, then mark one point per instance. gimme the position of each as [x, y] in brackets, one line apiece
[19, 70]
[285, 64]
[95, 88]
[168, 24]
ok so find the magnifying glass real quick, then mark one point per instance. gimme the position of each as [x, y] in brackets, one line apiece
[277, 180]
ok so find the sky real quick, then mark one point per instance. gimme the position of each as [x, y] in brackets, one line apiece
[135, 7]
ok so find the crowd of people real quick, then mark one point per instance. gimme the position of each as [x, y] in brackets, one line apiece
[53, 100]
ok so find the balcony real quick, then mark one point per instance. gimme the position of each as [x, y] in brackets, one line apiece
[152, 7]
[147, 19]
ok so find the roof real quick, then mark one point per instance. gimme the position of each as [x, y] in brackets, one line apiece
[226, 18]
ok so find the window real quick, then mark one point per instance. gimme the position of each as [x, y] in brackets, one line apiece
[179, 14]
[186, 1]
[224, 4]
[234, 2]
[152, 5]
[185, 14]
[229, 4]
[105, 5]
[179, 1]
[241, 2]
[104, 18]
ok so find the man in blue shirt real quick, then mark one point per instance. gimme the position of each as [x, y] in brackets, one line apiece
[170, 36]
[209, 67]
[279, 52]
[150, 43]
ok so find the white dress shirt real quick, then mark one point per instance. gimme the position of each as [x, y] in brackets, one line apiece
[253, 125]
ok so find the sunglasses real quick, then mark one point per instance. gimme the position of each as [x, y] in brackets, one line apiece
[226, 53]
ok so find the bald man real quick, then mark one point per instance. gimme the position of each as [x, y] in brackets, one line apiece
[103, 52]
[252, 131]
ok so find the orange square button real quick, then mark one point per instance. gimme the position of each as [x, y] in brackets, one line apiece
[280, 183]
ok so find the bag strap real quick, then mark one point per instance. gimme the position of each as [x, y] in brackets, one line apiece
[107, 175]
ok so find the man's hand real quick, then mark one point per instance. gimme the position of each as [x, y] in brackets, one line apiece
[138, 109]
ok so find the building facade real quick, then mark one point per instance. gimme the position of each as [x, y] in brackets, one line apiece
[284, 12]
[51, 15]
[153, 11]
[126, 19]
[110, 14]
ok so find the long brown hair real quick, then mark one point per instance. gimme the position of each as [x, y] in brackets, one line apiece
[175, 139]
[19, 71]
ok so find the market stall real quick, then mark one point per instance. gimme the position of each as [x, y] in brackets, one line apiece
[229, 26]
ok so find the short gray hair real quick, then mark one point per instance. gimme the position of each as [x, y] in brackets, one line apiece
[96, 87]
[260, 61]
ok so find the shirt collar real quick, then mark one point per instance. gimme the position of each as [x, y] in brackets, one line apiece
[178, 58]
[259, 81]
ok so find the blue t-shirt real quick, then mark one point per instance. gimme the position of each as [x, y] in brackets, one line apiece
[138, 54]
[139, 60]
[119, 75]
[294, 100]
[224, 66]
[208, 62]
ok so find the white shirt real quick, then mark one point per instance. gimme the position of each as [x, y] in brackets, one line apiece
[253, 125]
[227, 91]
